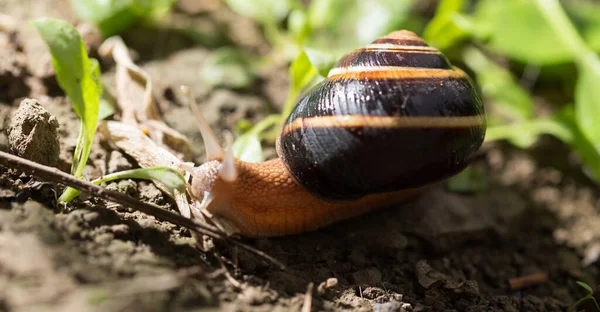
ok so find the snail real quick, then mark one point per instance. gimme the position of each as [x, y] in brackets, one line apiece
[391, 119]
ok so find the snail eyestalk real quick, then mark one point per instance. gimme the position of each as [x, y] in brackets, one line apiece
[211, 143]
[228, 172]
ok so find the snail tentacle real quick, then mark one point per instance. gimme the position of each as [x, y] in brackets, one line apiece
[227, 171]
[211, 143]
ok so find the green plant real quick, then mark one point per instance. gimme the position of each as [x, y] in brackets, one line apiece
[79, 77]
[169, 177]
[589, 296]
[114, 16]
[577, 125]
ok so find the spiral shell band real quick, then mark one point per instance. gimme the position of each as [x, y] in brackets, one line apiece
[390, 58]
[356, 121]
[389, 72]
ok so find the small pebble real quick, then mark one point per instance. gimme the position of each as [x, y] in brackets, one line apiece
[119, 228]
[326, 285]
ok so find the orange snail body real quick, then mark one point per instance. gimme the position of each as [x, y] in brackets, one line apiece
[391, 119]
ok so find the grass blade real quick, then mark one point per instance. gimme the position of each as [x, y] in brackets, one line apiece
[169, 177]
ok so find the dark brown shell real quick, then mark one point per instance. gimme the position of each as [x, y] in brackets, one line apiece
[392, 115]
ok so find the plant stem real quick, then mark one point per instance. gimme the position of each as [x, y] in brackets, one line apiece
[564, 29]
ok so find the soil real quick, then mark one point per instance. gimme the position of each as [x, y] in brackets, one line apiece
[537, 217]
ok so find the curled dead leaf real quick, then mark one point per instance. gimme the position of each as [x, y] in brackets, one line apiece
[134, 98]
[136, 144]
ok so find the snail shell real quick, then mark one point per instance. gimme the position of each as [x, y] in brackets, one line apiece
[392, 115]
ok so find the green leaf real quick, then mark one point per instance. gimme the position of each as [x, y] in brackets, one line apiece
[75, 73]
[343, 25]
[450, 6]
[587, 100]
[321, 60]
[299, 26]
[510, 102]
[379, 17]
[563, 30]
[326, 13]
[302, 71]
[169, 177]
[585, 16]
[517, 28]
[247, 148]
[592, 37]
[532, 128]
[586, 286]
[578, 141]
[587, 93]
[448, 26]
[227, 67]
[78, 76]
[563, 126]
[498, 85]
[263, 11]
[114, 16]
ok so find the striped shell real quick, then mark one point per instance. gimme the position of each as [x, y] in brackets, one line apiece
[392, 115]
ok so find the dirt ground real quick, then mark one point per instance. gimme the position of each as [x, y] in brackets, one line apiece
[537, 218]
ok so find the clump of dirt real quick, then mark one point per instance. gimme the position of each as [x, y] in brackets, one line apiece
[33, 133]
[5, 115]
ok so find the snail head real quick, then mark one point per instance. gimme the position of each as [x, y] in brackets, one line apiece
[212, 181]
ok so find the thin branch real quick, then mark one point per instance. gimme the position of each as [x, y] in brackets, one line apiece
[53, 174]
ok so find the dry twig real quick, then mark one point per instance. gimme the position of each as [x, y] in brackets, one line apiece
[53, 174]
[521, 282]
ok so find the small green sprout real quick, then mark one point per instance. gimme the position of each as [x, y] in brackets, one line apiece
[589, 296]
[115, 16]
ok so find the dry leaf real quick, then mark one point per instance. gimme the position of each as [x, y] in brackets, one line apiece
[148, 154]
[134, 97]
